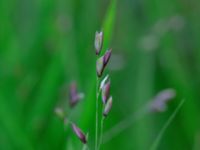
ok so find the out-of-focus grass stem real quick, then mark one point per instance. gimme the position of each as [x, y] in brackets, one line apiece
[85, 147]
[161, 133]
[124, 124]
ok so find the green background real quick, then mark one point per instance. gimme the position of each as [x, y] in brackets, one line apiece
[46, 44]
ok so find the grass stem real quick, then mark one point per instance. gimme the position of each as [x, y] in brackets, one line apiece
[97, 111]
[125, 123]
[101, 132]
[160, 135]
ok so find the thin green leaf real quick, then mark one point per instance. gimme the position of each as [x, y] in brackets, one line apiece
[162, 131]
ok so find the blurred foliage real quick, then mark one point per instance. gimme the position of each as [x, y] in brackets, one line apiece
[44, 45]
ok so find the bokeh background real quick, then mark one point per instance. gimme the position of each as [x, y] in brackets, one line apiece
[47, 44]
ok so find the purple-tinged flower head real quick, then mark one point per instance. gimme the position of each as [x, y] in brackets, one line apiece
[159, 102]
[108, 107]
[79, 133]
[105, 92]
[102, 62]
[104, 81]
[74, 96]
[98, 43]
[106, 57]
[99, 66]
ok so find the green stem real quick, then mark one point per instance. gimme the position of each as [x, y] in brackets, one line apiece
[101, 132]
[171, 118]
[85, 147]
[97, 111]
[125, 123]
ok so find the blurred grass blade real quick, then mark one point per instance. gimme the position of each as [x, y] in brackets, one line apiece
[46, 97]
[108, 24]
[125, 123]
[12, 127]
[161, 133]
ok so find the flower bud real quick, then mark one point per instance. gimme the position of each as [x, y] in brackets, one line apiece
[99, 67]
[102, 62]
[103, 82]
[159, 102]
[74, 96]
[98, 43]
[105, 92]
[79, 134]
[108, 107]
[106, 57]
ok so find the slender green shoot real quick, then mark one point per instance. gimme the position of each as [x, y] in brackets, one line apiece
[162, 131]
[125, 123]
[101, 132]
[97, 111]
